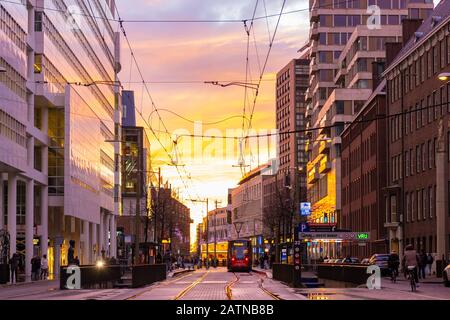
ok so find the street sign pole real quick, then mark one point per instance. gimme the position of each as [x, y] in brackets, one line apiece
[297, 270]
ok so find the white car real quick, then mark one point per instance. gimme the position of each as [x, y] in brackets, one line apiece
[447, 276]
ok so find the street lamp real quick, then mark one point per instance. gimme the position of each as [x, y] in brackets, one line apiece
[445, 76]
[248, 85]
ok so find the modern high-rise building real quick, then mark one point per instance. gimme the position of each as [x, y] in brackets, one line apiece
[59, 139]
[345, 38]
[292, 83]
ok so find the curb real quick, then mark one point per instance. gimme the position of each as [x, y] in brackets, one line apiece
[180, 272]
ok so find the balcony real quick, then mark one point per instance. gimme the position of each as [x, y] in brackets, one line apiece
[324, 147]
[314, 15]
[314, 31]
[325, 166]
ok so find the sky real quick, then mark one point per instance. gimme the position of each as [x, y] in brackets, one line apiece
[168, 52]
[180, 52]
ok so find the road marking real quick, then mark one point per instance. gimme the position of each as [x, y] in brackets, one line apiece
[189, 288]
[166, 283]
[214, 282]
[228, 291]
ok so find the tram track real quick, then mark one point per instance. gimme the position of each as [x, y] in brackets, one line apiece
[166, 283]
[229, 291]
[191, 286]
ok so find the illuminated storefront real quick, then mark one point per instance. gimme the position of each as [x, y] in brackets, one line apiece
[221, 251]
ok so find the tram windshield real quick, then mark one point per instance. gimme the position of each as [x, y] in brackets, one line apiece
[239, 250]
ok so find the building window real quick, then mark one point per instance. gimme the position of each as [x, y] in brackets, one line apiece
[408, 207]
[418, 158]
[419, 205]
[435, 59]
[38, 21]
[38, 63]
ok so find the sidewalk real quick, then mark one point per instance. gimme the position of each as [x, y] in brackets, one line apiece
[428, 280]
[266, 272]
[178, 271]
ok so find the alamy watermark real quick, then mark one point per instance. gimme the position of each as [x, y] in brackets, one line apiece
[374, 280]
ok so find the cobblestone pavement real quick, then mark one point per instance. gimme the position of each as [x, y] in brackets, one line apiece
[218, 284]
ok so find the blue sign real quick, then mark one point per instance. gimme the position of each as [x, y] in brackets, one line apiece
[305, 208]
[304, 227]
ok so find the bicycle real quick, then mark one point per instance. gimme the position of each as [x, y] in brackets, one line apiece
[412, 278]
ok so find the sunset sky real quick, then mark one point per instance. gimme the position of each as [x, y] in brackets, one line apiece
[168, 52]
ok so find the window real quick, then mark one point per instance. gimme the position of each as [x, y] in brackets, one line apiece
[424, 203]
[37, 63]
[413, 205]
[406, 164]
[435, 59]
[408, 207]
[430, 108]
[340, 20]
[430, 154]
[431, 191]
[418, 159]
[38, 21]
[323, 38]
[419, 205]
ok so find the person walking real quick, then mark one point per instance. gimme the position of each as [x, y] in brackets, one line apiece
[36, 267]
[14, 267]
[430, 261]
[44, 267]
[423, 264]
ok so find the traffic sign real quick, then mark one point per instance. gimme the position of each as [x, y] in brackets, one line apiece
[358, 236]
[305, 208]
[304, 227]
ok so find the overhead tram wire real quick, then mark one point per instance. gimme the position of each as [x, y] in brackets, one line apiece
[376, 118]
[248, 30]
[265, 65]
[152, 102]
[180, 20]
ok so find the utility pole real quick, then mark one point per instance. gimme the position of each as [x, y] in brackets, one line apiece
[139, 172]
[215, 232]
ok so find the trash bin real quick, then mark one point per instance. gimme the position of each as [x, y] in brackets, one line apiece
[439, 268]
[4, 273]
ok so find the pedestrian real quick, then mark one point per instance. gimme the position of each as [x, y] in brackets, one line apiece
[36, 267]
[33, 268]
[200, 263]
[159, 259]
[423, 258]
[430, 261]
[44, 267]
[14, 267]
[265, 260]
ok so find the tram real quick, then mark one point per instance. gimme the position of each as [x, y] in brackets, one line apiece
[240, 255]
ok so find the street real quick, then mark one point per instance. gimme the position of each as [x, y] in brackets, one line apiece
[218, 284]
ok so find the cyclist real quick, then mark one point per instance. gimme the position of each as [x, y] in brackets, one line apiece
[411, 260]
[393, 264]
